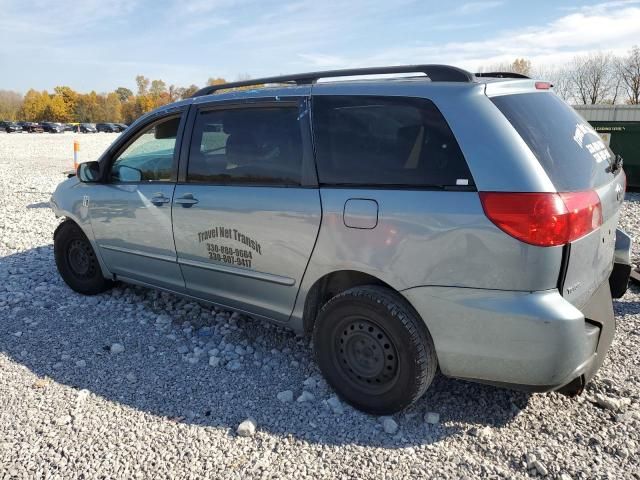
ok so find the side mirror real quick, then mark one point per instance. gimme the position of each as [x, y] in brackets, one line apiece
[88, 172]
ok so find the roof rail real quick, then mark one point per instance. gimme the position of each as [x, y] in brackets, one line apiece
[501, 75]
[436, 73]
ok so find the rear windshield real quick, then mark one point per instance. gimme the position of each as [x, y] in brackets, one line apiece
[568, 148]
[385, 141]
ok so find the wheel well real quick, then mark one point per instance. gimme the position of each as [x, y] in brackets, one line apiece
[329, 286]
[63, 222]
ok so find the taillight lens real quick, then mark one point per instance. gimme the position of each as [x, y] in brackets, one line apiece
[544, 219]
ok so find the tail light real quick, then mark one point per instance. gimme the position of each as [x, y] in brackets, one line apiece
[543, 85]
[544, 219]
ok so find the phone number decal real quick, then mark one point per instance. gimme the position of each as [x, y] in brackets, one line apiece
[229, 255]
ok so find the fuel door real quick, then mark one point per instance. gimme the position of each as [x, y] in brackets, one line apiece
[360, 213]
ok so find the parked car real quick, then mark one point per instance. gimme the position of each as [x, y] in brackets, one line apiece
[121, 126]
[107, 128]
[31, 127]
[71, 127]
[10, 127]
[52, 127]
[405, 224]
[88, 128]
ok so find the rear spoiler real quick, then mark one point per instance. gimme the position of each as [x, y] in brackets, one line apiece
[501, 75]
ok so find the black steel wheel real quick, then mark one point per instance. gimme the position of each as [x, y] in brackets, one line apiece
[82, 260]
[374, 350]
[76, 260]
[366, 354]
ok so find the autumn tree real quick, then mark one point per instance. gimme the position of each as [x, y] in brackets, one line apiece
[519, 65]
[143, 84]
[111, 108]
[522, 66]
[69, 98]
[57, 110]
[215, 81]
[35, 105]
[188, 91]
[129, 110]
[10, 104]
[88, 109]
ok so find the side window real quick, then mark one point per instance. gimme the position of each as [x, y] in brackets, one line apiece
[380, 141]
[251, 146]
[150, 157]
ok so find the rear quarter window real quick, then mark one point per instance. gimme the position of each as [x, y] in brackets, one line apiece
[570, 151]
[385, 141]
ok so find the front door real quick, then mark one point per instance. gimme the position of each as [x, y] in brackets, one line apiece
[247, 214]
[131, 212]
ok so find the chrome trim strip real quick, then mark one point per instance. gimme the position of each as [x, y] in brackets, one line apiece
[266, 277]
[164, 258]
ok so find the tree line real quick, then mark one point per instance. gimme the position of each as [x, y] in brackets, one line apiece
[594, 78]
[66, 105]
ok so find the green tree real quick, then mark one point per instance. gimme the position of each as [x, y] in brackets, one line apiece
[158, 87]
[123, 93]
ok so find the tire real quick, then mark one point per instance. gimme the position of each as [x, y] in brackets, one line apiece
[374, 350]
[77, 262]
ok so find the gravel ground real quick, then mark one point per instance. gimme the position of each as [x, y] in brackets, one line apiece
[137, 383]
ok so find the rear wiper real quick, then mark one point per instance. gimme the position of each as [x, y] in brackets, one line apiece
[616, 164]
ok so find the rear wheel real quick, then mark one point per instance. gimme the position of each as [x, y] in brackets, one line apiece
[374, 350]
[77, 262]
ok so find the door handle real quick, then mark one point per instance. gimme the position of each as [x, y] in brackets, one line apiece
[159, 199]
[186, 200]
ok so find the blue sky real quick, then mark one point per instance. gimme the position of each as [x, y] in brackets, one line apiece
[102, 44]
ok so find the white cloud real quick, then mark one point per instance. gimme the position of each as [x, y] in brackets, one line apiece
[88, 45]
[557, 42]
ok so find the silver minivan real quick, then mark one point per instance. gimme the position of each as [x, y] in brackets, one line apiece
[451, 220]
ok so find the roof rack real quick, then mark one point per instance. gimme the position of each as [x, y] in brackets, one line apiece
[501, 75]
[436, 73]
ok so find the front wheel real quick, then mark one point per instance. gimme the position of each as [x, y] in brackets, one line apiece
[374, 350]
[77, 262]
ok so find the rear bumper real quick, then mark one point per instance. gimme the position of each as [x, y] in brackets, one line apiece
[534, 341]
[619, 278]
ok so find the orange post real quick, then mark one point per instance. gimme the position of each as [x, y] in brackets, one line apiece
[76, 154]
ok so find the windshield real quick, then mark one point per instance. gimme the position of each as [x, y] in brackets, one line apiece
[568, 148]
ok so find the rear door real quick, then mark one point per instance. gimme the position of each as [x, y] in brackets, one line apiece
[576, 159]
[246, 212]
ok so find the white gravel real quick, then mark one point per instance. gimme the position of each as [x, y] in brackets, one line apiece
[170, 404]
